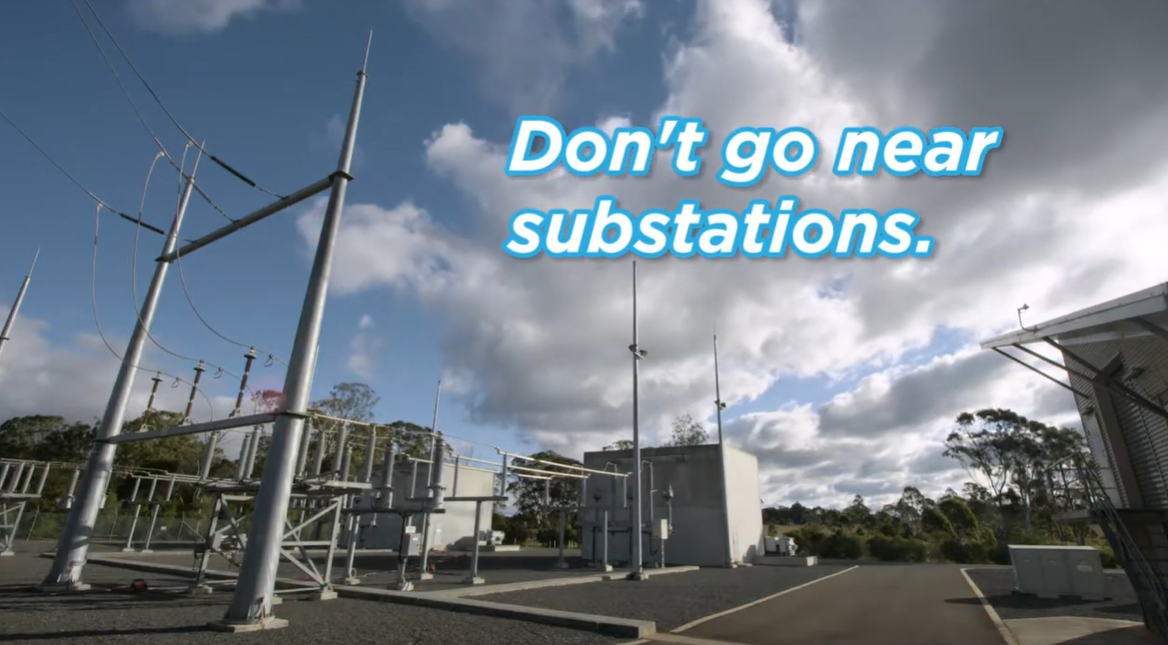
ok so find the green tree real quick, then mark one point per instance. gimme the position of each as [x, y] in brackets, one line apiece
[45, 438]
[529, 494]
[621, 444]
[180, 454]
[687, 432]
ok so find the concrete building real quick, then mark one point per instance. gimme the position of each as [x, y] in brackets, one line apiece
[383, 530]
[701, 491]
[1116, 357]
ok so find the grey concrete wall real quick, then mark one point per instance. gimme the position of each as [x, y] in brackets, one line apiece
[699, 537]
[445, 529]
[745, 504]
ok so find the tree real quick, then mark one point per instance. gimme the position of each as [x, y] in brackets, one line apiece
[621, 444]
[353, 401]
[180, 454]
[529, 493]
[1013, 454]
[46, 438]
[687, 432]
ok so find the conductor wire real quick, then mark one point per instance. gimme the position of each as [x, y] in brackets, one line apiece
[97, 321]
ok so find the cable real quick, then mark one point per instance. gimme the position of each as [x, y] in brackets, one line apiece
[97, 321]
[181, 277]
[134, 280]
[56, 165]
[138, 113]
[195, 310]
[170, 116]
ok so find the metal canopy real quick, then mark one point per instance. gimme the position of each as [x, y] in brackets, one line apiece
[1140, 314]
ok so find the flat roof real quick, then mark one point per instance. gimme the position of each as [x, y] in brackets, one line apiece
[1106, 321]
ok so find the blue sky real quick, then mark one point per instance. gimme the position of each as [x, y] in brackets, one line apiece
[544, 343]
[269, 96]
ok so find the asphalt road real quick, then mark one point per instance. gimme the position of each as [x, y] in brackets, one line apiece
[871, 605]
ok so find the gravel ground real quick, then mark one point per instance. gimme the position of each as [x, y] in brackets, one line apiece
[997, 586]
[671, 600]
[103, 616]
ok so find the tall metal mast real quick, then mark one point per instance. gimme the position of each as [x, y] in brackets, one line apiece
[5, 333]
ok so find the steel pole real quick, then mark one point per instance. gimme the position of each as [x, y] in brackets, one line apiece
[719, 405]
[636, 571]
[7, 330]
[252, 601]
[431, 472]
[74, 542]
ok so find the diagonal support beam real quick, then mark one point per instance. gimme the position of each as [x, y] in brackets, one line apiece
[198, 428]
[1038, 371]
[252, 218]
[1108, 383]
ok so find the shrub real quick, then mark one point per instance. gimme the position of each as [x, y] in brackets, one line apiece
[844, 546]
[809, 540]
[898, 549]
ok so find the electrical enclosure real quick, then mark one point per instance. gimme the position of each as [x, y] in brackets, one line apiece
[660, 529]
[1053, 571]
[412, 545]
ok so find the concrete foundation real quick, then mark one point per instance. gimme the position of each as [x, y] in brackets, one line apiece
[786, 561]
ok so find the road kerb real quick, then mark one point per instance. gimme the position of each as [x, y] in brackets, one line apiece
[1007, 635]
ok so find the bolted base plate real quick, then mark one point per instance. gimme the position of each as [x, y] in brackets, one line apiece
[241, 628]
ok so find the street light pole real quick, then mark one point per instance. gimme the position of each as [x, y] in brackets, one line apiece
[636, 570]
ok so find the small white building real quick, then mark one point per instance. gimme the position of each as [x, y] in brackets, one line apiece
[384, 530]
[715, 509]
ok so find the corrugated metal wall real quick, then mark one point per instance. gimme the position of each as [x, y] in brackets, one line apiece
[1144, 431]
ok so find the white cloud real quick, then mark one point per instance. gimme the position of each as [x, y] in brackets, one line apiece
[194, 16]
[1067, 214]
[74, 381]
[540, 345]
[365, 350]
[526, 49]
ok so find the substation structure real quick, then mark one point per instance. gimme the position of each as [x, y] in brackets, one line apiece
[1115, 357]
[251, 605]
[292, 505]
[703, 501]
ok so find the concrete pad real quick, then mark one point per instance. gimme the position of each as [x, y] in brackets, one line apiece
[325, 594]
[7, 554]
[782, 561]
[1081, 630]
[243, 628]
[473, 580]
[500, 548]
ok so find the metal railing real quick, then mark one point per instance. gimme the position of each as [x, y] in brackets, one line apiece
[1148, 584]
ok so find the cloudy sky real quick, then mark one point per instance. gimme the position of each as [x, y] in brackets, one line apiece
[841, 375]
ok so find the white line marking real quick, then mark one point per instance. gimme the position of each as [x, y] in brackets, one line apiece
[1007, 635]
[762, 600]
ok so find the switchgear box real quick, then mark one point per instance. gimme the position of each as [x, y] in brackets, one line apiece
[660, 529]
[412, 545]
